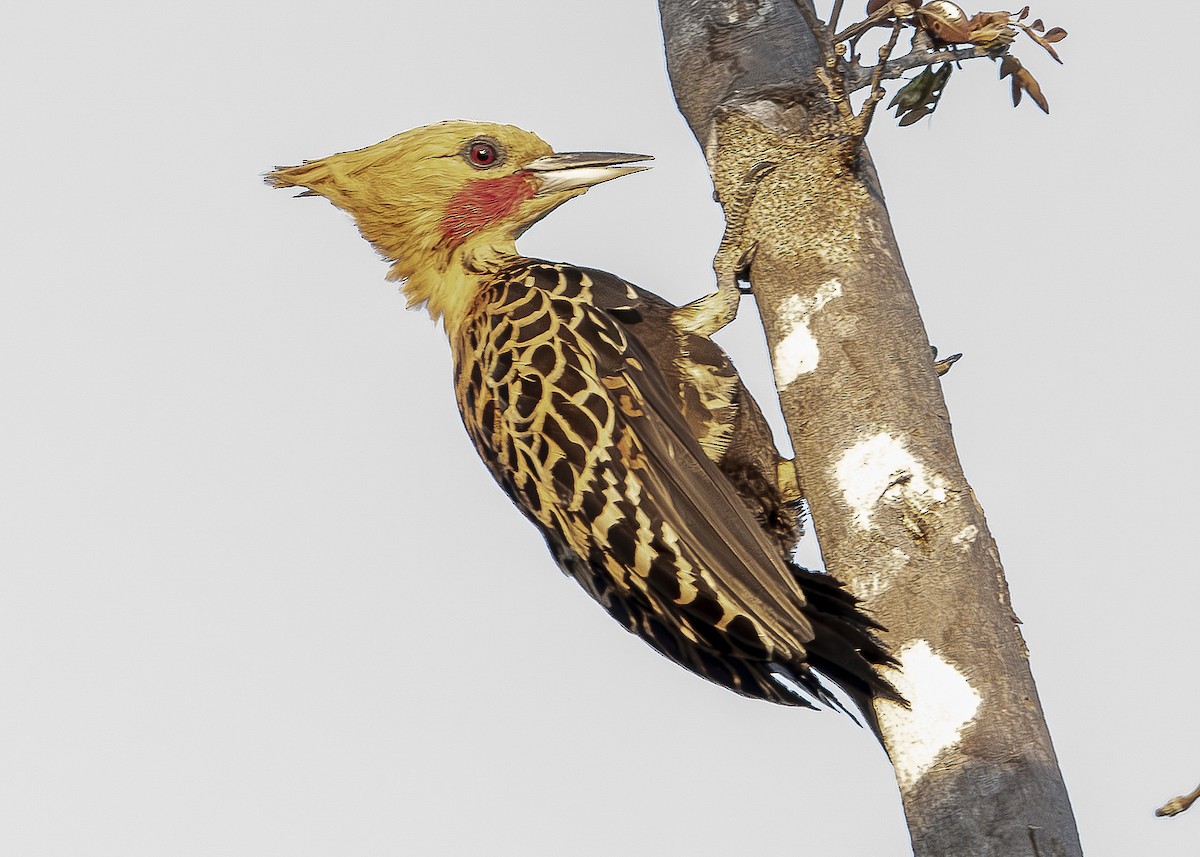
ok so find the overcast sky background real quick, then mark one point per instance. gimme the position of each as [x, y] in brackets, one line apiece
[257, 595]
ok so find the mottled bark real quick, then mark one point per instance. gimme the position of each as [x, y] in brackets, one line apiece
[892, 511]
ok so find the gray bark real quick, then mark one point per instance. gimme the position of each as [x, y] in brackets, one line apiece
[876, 460]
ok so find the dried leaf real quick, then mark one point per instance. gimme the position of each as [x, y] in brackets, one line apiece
[1030, 85]
[1055, 35]
[1041, 40]
[1022, 82]
[1023, 14]
[1038, 25]
[984, 19]
[915, 115]
[990, 32]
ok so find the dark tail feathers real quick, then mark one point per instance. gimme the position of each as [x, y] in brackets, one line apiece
[845, 649]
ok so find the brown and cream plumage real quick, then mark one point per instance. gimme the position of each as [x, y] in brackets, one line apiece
[606, 413]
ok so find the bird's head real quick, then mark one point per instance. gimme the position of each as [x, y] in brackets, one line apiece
[438, 198]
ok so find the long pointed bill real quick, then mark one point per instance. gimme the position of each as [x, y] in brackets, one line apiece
[573, 170]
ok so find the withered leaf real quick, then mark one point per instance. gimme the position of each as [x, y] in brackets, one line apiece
[915, 115]
[1030, 85]
[991, 30]
[1023, 14]
[1057, 34]
[984, 19]
[1041, 40]
[1022, 82]
[1038, 25]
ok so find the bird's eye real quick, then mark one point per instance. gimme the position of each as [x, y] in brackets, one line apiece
[482, 154]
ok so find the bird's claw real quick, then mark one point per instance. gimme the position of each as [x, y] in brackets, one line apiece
[735, 227]
[732, 264]
[788, 481]
[743, 269]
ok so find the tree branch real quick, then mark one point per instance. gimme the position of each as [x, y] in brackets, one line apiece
[859, 77]
[877, 91]
[875, 458]
[835, 14]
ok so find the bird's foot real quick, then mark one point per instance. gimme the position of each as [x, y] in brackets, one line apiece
[743, 269]
[710, 313]
[789, 481]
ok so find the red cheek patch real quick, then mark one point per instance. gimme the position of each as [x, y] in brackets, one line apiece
[482, 202]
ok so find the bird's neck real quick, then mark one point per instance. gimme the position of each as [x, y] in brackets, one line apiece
[448, 281]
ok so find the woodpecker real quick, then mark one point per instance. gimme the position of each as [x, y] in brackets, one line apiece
[606, 413]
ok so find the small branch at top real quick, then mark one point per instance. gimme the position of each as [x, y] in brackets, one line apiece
[877, 90]
[835, 14]
[828, 73]
[859, 78]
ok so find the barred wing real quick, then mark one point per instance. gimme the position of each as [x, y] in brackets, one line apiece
[582, 430]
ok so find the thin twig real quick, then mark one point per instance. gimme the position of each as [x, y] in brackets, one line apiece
[863, 25]
[828, 74]
[835, 14]
[819, 31]
[877, 91]
[892, 69]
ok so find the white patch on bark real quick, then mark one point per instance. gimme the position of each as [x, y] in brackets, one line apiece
[883, 572]
[881, 468]
[966, 537]
[736, 13]
[943, 704]
[797, 353]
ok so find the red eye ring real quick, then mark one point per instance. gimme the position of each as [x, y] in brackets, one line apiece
[483, 154]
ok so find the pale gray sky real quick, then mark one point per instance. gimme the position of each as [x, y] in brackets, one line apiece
[258, 597]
